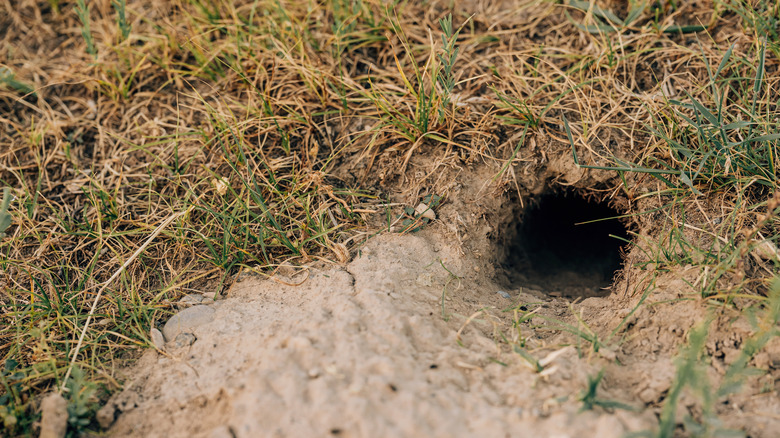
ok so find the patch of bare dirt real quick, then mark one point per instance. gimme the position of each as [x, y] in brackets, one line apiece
[419, 336]
[362, 351]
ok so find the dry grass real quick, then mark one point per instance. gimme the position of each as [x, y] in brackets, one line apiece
[264, 121]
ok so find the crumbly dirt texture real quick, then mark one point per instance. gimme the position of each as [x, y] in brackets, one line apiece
[363, 350]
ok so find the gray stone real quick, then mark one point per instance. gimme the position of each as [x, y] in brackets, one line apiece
[158, 340]
[504, 294]
[187, 320]
[183, 340]
[54, 418]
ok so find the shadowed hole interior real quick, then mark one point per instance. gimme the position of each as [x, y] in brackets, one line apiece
[564, 245]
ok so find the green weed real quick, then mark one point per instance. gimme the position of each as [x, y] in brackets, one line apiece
[762, 16]
[691, 372]
[5, 215]
[607, 21]
[724, 146]
[82, 405]
[8, 79]
[446, 77]
[120, 6]
[82, 10]
[430, 102]
[590, 398]
[13, 410]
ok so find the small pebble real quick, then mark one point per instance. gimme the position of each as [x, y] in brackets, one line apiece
[158, 340]
[187, 320]
[504, 294]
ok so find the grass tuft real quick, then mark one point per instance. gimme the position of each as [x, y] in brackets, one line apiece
[120, 6]
[82, 10]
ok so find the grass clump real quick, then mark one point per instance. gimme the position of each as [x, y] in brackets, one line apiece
[714, 142]
[172, 173]
[727, 148]
[760, 16]
[430, 87]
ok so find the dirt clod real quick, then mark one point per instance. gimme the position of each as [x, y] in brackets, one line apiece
[54, 416]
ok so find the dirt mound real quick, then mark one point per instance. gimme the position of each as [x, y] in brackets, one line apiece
[407, 341]
[363, 351]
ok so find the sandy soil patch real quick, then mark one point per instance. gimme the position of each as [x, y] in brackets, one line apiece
[364, 351]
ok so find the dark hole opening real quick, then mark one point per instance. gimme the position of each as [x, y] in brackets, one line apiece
[563, 245]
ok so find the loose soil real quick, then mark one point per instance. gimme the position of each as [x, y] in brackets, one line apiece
[418, 336]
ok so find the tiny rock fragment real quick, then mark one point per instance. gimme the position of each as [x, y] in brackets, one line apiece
[424, 211]
[504, 294]
[648, 395]
[54, 418]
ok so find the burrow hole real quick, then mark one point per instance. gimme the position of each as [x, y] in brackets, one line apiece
[564, 244]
